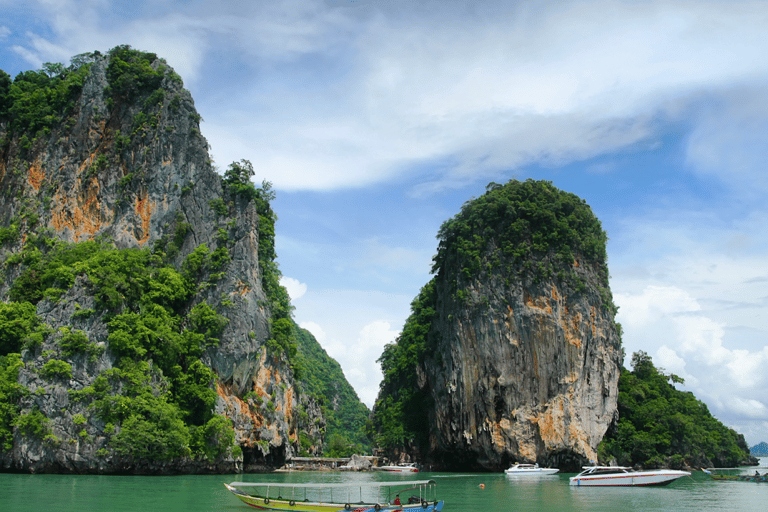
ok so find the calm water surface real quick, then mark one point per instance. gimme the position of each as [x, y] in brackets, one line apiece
[461, 492]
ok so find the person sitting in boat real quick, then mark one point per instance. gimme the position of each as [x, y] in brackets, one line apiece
[397, 500]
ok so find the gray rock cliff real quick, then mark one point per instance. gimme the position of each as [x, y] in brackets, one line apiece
[528, 372]
[137, 172]
[511, 352]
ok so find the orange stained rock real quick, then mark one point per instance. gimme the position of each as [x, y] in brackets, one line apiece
[86, 163]
[80, 213]
[36, 175]
[579, 439]
[288, 403]
[572, 329]
[242, 287]
[234, 402]
[143, 209]
[498, 430]
[552, 421]
[542, 303]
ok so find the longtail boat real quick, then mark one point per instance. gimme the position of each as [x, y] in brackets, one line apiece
[417, 496]
[736, 474]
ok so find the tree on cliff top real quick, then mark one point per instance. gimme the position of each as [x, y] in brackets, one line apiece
[520, 221]
[661, 426]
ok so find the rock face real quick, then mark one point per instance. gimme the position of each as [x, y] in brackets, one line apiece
[528, 373]
[136, 171]
[511, 349]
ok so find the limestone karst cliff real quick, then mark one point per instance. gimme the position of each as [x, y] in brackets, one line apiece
[155, 304]
[511, 352]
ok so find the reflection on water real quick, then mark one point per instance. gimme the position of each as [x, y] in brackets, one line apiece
[461, 492]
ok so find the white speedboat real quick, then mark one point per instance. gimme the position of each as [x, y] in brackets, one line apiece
[529, 469]
[399, 468]
[622, 476]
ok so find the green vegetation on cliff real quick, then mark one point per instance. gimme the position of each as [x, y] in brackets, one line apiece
[399, 412]
[519, 223]
[660, 426]
[36, 101]
[159, 395]
[346, 416]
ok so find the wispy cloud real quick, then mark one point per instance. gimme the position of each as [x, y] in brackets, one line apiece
[479, 89]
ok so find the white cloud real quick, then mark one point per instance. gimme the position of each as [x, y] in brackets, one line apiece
[748, 407]
[748, 368]
[702, 337]
[730, 135]
[316, 331]
[653, 303]
[374, 336]
[365, 374]
[295, 288]
[672, 363]
[353, 326]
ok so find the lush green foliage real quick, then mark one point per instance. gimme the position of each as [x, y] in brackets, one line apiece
[10, 392]
[145, 300]
[322, 377]
[56, 369]
[661, 426]
[399, 410]
[9, 234]
[17, 320]
[520, 221]
[5, 86]
[33, 424]
[36, 101]
[130, 73]
[214, 438]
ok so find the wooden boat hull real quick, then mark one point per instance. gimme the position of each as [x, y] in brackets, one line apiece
[279, 505]
[740, 478]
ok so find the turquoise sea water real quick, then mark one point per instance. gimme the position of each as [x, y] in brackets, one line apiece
[461, 492]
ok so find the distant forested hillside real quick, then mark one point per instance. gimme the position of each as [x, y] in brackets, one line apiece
[346, 416]
[662, 426]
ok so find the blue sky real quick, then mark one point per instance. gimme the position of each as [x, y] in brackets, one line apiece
[376, 120]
